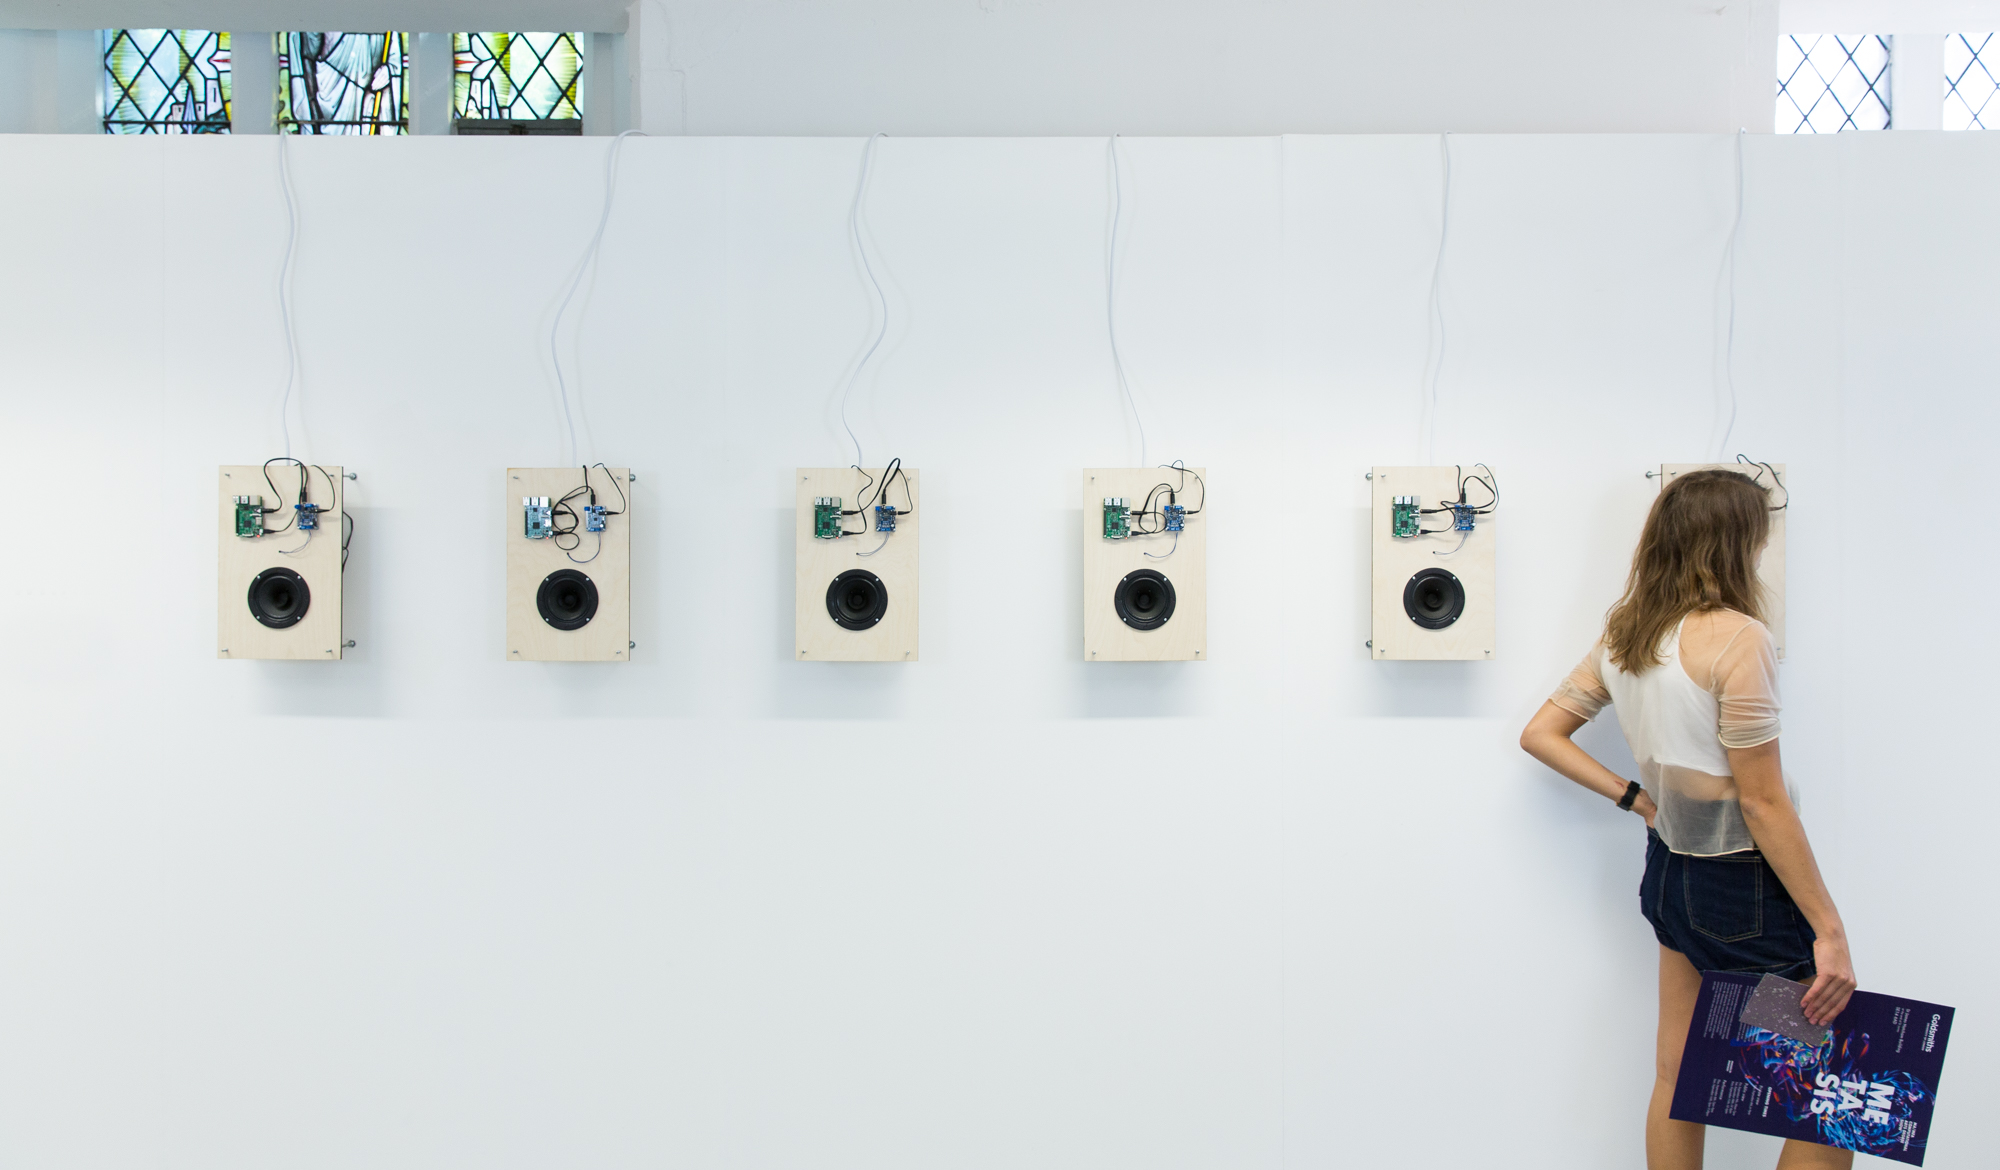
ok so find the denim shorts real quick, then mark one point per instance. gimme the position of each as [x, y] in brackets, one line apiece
[1727, 913]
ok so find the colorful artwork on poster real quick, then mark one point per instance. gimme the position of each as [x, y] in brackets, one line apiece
[1868, 1084]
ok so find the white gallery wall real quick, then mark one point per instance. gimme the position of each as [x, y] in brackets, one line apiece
[1000, 907]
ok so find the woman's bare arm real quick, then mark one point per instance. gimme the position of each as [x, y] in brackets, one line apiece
[1547, 738]
[1774, 825]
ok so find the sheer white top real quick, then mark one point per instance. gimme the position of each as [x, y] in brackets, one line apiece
[1716, 688]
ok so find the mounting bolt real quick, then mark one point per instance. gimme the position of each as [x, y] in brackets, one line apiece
[1370, 643]
[349, 644]
[635, 645]
[1368, 475]
[631, 477]
[349, 475]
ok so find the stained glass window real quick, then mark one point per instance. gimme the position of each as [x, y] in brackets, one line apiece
[343, 83]
[517, 75]
[1830, 83]
[1969, 85]
[166, 81]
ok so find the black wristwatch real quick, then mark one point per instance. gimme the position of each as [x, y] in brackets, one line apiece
[1632, 791]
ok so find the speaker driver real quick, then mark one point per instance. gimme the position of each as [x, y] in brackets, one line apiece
[1145, 599]
[857, 599]
[1434, 599]
[279, 598]
[567, 599]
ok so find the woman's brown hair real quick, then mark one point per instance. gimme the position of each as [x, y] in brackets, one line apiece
[1698, 552]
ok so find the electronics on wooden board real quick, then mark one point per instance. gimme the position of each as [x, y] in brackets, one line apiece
[1432, 532]
[855, 587]
[1771, 565]
[569, 564]
[1145, 564]
[282, 545]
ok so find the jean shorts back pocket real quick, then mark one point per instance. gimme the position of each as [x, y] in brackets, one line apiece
[1725, 896]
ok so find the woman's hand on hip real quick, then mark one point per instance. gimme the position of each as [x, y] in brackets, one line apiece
[1646, 809]
[1830, 989]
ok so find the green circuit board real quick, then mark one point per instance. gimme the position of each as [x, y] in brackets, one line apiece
[249, 516]
[826, 517]
[1403, 519]
[1117, 518]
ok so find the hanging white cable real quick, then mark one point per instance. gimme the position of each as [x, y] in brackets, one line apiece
[1729, 345]
[1111, 298]
[1436, 318]
[1462, 538]
[583, 265]
[854, 231]
[285, 291]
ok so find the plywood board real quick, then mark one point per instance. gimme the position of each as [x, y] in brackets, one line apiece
[314, 556]
[817, 637]
[608, 564]
[1184, 563]
[1395, 560]
[1771, 566]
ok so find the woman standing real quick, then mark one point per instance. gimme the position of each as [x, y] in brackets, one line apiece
[1731, 883]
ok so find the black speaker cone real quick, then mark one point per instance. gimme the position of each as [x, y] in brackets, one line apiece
[857, 599]
[1144, 599]
[1434, 599]
[279, 598]
[567, 599]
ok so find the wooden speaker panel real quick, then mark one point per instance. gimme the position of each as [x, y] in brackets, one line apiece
[607, 637]
[315, 557]
[1106, 563]
[817, 636]
[1397, 561]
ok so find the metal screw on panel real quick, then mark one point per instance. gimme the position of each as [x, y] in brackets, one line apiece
[349, 475]
[1370, 643]
[348, 644]
[635, 646]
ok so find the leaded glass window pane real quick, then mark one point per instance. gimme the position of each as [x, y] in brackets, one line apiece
[166, 81]
[1969, 84]
[1830, 83]
[517, 75]
[343, 83]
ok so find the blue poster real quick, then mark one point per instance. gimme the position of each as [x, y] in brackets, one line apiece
[1867, 1083]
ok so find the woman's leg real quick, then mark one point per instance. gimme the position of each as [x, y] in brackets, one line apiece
[1670, 1144]
[1807, 1156]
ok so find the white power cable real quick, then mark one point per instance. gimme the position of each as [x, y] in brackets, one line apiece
[583, 265]
[1729, 345]
[284, 291]
[1436, 317]
[854, 231]
[1111, 298]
